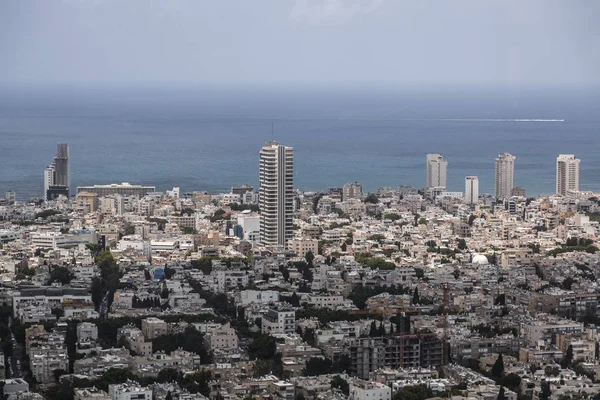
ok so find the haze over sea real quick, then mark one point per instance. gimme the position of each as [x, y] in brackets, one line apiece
[208, 138]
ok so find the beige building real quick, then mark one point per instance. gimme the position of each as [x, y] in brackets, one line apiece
[154, 327]
[223, 337]
[91, 199]
[301, 246]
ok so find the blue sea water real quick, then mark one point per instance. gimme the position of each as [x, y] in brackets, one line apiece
[208, 138]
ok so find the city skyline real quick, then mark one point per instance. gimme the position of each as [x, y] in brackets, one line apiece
[436, 170]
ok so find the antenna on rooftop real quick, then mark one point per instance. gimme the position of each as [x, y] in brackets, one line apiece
[272, 131]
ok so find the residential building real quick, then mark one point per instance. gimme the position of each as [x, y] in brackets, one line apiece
[223, 337]
[367, 390]
[276, 194]
[153, 327]
[91, 199]
[86, 332]
[123, 189]
[505, 175]
[437, 169]
[277, 321]
[129, 391]
[567, 173]
[471, 189]
[351, 191]
[301, 246]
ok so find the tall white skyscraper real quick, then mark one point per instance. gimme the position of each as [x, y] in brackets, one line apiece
[505, 175]
[471, 189]
[567, 173]
[437, 169]
[276, 194]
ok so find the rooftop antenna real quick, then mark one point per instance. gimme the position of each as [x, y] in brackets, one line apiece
[272, 131]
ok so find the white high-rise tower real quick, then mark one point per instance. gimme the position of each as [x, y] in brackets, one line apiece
[471, 189]
[276, 194]
[437, 169]
[567, 173]
[505, 175]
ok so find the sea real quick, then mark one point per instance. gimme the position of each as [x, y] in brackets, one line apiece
[207, 138]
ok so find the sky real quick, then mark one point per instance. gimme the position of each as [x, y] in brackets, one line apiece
[508, 42]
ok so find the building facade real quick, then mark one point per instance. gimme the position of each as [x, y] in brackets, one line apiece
[471, 189]
[505, 175]
[123, 189]
[276, 195]
[351, 191]
[437, 169]
[57, 178]
[567, 173]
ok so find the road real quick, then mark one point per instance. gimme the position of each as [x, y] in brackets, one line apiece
[17, 355]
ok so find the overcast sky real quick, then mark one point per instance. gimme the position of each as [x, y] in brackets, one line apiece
[320, 41]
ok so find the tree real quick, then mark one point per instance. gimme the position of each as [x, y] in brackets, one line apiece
[381, 330]
[58, 373]
[262, 347]
[462, 244]
[415, 392]
[569, 356]
[501, 394]
[545, 390]
[498, 367]
[318, 366]
[340, 383]
[416, 299]
[61, 275]
[511, 381]
[373, 331]
[309, 258]
[169, 396]
[500, 300]
[371, 198]
[167, 375]
[294, 300]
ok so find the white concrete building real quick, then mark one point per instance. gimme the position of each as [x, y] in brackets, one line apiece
[276, 194]
[86, 332]
[250, 223]
[505, 175]
[279, 322]
[259, 297]
[437, 171]
[567, 173]
[365, 390]
[129, 391]
[471, 189]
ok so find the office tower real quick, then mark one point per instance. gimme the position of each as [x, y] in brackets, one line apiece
[505, 175]
[471, 189]
[276, 194]
[567, 173]
[57, 175]
[436, 171]
[351, 191]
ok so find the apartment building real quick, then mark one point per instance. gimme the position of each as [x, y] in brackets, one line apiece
[277, 321]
